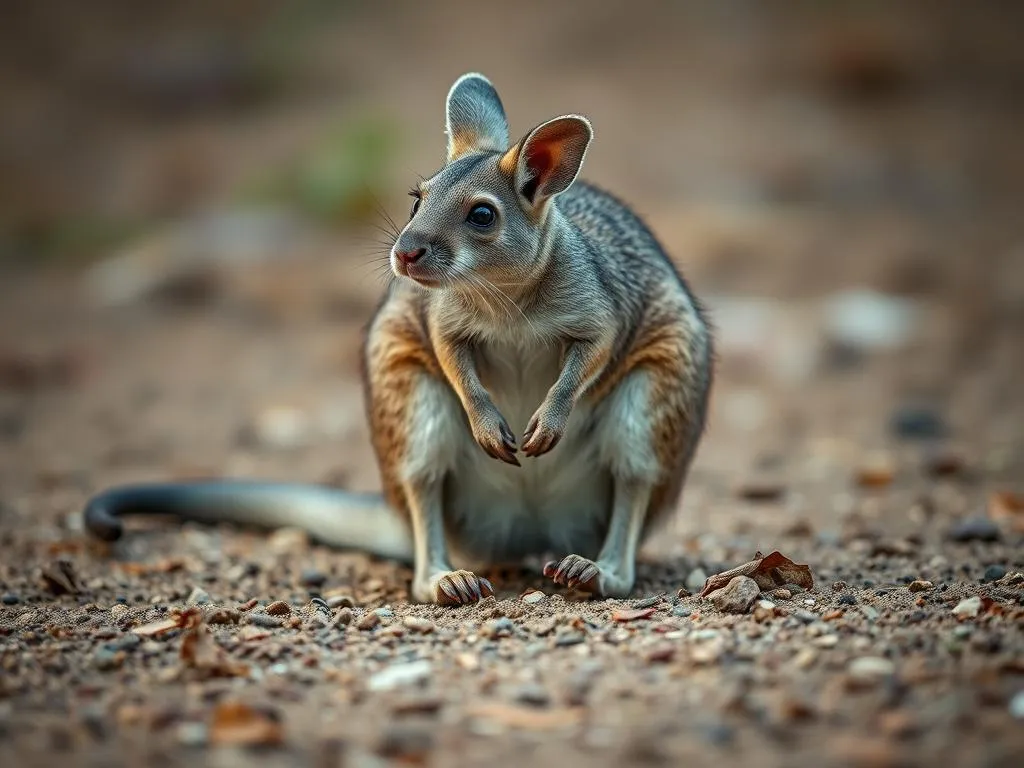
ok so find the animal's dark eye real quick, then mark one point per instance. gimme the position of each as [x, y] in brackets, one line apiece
[482, 216]
[415, 194]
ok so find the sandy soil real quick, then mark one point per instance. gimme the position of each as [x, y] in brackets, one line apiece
[896, 473]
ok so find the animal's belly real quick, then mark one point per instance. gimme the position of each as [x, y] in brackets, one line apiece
[557, 503]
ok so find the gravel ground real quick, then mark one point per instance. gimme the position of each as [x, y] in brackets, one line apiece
[183, 643]
[882, 449]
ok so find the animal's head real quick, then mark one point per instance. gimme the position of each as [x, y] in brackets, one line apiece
[485, 214]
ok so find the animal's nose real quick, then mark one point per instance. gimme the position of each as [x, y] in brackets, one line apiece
[410, 257]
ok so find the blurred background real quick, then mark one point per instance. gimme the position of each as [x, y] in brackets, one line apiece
[188, 193]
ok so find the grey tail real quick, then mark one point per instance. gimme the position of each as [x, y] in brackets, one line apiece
[337, 518]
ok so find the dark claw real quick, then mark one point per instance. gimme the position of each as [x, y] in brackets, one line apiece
[507, 436]
[449, 589]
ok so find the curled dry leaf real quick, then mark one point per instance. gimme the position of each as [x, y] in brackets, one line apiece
[159, 627]
[632, 614]
[769, 572]
[199, 651]
[238, 724]
[60, 578]
[1007, 507]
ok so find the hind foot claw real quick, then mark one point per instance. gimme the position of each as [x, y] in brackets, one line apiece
[459, 588]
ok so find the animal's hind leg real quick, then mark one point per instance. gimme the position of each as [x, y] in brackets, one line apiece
[417, 427]
[648, 430]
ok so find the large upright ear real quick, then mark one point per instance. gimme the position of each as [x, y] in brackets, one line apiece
[474, 117]
[549, 157]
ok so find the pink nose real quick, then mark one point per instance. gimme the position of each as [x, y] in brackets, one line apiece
[410, 257]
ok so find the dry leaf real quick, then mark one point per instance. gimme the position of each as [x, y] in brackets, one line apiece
[632, 614]
[1005, 506]
[238, 724]
[199, 651]
[60, 578]
[159, 627]
[769, 572]
[168, 565]
[530, 719]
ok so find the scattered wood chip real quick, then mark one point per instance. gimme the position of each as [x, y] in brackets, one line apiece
[532, 719]
[632, 614]
[769, 572]
[159, 627]
[167, 565]
[238, 724]
[874, 475]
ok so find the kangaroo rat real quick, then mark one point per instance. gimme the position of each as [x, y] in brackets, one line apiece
[536, 378]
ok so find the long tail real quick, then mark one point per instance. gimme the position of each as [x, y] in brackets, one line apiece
[330, 516]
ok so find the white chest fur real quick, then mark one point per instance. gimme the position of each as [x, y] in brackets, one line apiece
[556, 503]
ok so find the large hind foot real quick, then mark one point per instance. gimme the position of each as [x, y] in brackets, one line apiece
[585, 575]
[454, 588]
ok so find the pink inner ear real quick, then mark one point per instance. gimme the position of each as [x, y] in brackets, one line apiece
[539, 160]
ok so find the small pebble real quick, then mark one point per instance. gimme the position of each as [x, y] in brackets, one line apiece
[341, 601]
[384, 612]
[993, 573]
[265, 621]
[1017, 706]
[718, 734]
[417, 624]
[343, 617]
[870, 613]
[495, 628]
[870, 669]
[107, 660]
[847, 600]
[968, 608]
[532, 597]
[400, 675]
[569, 637]
[311, 577]
[279, 608]
[193, 734]
[659, 653]
[199, 597]
[532, 694]
[737, 596]
[681, 611]
[919, 585]
[368, 620]
[975, 529]
[782, 594]
[9, 599]
[695, 580]
[917, 423]
[648, 602]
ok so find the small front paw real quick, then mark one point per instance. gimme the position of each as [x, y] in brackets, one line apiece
[494, 435]
[545, 430]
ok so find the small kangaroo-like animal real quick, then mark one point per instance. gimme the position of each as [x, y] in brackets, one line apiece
[527, 303]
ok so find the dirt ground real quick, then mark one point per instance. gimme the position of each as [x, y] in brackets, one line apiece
[783, 159]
